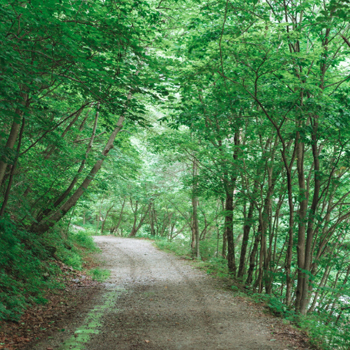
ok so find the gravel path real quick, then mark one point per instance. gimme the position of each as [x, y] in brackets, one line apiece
[154, 300]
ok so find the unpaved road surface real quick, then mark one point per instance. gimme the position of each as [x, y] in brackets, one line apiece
[154, 300]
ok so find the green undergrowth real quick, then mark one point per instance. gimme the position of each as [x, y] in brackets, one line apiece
[322, 333]
[178, 247]
[99, 275]
[29, 264]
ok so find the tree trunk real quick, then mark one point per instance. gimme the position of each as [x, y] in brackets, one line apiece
[136, 228]
[66, 193]
[195, 229]
[15, 128]
[133, 230]
[224, 245]
[288, 261]
[50, 150]
[153, 231]
[305, 298]
[8, 189]
[231, 261]
[105, 219]
[302, 226]
[246, 230]
[50, 221]
[115, 229]
[252, 257]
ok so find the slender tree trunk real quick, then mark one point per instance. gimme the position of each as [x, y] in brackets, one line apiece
[15, 129]
[266, 220]
[302, 225]
[105, 219]
[259, 281]
[133, 230]
[305, 298]
[253, 256]
[137, 227]
[50, 150]
[66, 193]
[153, 232]
[231, 258]
[231, 261]
[217, 241]
[224, 245]
[9, 146]
[321, 285]
[50, 221]
[8, 189]
[246, 230]
[195, 229]
[288, 262]
[121, 215]
[97, 222]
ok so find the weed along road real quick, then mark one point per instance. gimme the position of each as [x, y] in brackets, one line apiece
[154, 300]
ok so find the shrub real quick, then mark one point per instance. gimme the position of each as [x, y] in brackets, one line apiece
[28, 265]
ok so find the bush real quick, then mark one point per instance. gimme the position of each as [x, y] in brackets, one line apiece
[28, 265]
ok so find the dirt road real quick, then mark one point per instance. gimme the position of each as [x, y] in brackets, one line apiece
[154, 300]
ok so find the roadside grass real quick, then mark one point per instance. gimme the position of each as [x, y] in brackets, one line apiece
[180, 248]
[99, 275]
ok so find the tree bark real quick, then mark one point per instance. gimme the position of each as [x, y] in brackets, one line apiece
[302, 225]
[104, 221]
[137, 227]
[8, 189]
[231, 261]
[121, 214]
[305, 297]
[15, 128]
[252, 257]
[50, 221]
[195, 229]
[66, 193]
[152, 215]
[246, 230]
[50, 150]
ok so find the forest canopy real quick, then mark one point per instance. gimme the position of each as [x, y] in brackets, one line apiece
[219, 128]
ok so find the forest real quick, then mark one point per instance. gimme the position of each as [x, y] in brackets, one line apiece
[218, 128]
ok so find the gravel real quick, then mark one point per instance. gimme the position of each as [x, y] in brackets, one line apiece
[154, 300]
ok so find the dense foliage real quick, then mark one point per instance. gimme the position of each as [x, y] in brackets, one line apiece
[221, 126]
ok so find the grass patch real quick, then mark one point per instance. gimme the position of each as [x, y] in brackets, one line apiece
[29, 264]
[99, 275]
[180, 248]
[216, 266]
